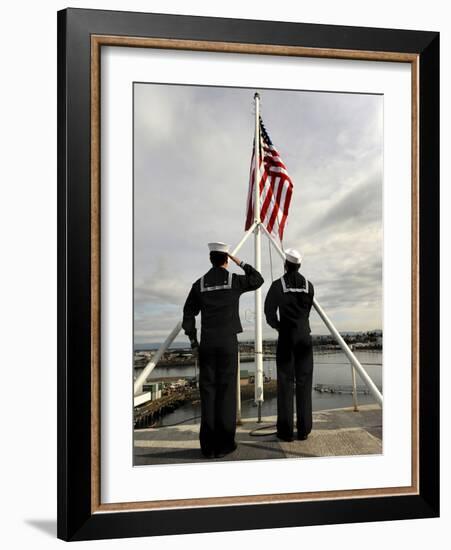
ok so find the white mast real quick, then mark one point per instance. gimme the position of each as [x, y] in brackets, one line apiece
[258, 266]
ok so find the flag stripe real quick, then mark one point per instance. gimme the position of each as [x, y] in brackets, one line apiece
[269, 211]
[275, 210]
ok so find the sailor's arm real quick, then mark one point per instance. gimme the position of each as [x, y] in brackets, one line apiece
[312, 293]
[251, 280]
[190, 310]
[271, 306]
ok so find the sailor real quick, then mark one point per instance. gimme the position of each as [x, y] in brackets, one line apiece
[216, 296]
[292, 296]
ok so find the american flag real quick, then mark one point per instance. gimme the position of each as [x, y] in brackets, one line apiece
[276, 187]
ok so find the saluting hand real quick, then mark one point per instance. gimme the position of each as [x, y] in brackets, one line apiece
[236, 260]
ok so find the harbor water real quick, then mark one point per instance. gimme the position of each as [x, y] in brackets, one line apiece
[330, 368]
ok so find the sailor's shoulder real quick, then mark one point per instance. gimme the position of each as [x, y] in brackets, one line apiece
[304, 279]
[196, 284]
[210, 274]
[301, 278]
[236, 278]
[277, 284]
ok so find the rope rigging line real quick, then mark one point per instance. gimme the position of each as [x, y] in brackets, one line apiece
[270, 261]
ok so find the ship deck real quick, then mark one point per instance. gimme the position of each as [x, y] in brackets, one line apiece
[336, 432]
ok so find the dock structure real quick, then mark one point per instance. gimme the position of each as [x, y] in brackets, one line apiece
[152, 410]
[336, 432]
[340, 389]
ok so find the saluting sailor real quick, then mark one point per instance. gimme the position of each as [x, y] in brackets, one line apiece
[216, 296]
[292, 296]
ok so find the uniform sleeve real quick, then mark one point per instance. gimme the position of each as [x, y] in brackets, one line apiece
[190, 310]
[251, 280]
[312, 294]
[271, 305]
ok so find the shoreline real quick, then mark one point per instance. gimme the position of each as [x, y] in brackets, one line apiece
[245, 357]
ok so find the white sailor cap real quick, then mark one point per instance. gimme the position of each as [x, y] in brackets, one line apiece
[293, 256]
[218, 247]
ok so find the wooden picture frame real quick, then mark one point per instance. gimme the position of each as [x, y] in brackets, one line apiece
[81, 35]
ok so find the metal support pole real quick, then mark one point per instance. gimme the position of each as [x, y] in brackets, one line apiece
[137, 387]
[196, 381]
[257, 248]
[354, 390]
[274, 243]
[238, 393]
[352, 358]
[354, 384]
[244, 239]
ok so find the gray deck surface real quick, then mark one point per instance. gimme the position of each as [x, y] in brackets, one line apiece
[336, 432]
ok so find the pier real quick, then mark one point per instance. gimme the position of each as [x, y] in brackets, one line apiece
[340, 389]
[151, 411]
[336, 432]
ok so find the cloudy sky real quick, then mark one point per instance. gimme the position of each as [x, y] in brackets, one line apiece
[192, 150]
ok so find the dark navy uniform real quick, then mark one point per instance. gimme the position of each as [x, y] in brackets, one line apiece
[216, 296]
[292, 295]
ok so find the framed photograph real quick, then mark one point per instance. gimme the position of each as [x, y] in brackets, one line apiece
[248, 274]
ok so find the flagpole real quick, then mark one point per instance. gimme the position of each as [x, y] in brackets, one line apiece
[257, 250]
